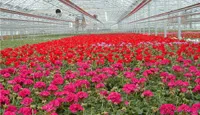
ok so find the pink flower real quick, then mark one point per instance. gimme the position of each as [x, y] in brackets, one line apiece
[48, 107]
[4, 100]
[147, 93]
[26, 111]
[197, 81]
[52, 87]
[96, 79]
[129, 88]
[28, 82]
[75, 108]
[1, 86]
[4, 92]
[195, 109]
[54, 113]
[177, 68]
[100, 85]
[70, 75]
[126, 103]
[6, 75]
[82, 95]
[26, 101]
[70, 88]
[39, 85]
[114, 97]
[24, 92]
[71, 97]
[82, 83]
[104, 93]
[167, 109]
[184, 108]
[11, 108]
[9, 113]
[196, 89]
[44, 93]
[188, 75]
[58, 81]
[136, 69]
[129, 75]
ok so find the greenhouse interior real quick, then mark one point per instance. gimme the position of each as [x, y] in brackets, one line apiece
[100, 57]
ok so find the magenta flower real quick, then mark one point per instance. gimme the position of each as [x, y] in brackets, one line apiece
[114, 97]
[58, 81]
[104, 93]
[147, 93]
[52, 87]
[126, 103]
[11, 108]
[9, 113]
[177, 68]
[70, 88]
[71, 97]
[196, 89]
[100, 85]
[26, 101]
[74, 108]
[129, 88]
[54, 113]
[167, 109]
[82, 95]
[39, 85]
[184, 108]
[24, 92]
[26, 111]
[195, 109]
[44, 93]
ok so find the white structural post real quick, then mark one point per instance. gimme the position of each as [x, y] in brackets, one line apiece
[156, 27]
[149, 8]
[165, 21]
[179, 20]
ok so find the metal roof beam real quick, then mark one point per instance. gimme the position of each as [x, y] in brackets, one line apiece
[31, 15]
[170, 12]
[138, 7]
[74, 6]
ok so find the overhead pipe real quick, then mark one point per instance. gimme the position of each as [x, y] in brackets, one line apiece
[31, 15]
[74, 6]
[170, 12]
[12, 19]
[193, 14]
[138, 7]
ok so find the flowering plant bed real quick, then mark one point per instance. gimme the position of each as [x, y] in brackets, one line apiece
[185, 35]
[105, 74]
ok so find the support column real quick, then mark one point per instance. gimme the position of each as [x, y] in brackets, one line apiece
[165, 21]
[179, 21]
[156, 27]
[149, 8]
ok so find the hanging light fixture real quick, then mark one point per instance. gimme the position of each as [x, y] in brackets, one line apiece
[58, 12]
